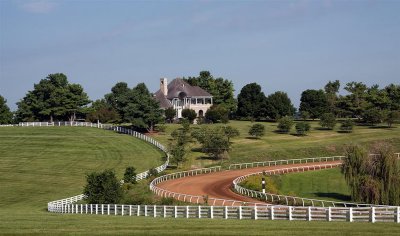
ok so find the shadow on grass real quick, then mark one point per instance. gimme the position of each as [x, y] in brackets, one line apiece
[344, 132]
[322, 128]
[298, 135]
[252, 138]
[381, 127]
[337, 196]
[280, 132]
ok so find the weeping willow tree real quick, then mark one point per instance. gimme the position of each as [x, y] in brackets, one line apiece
[372, 178]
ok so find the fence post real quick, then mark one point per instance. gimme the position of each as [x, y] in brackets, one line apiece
[329, 214]
[115, 209]
[199, 212]
[350, 215]
[271, 211]
[290, 213]
[130, 210]
[187, 211]
[145, 210]
[240, 212]
[397, 215]
[154, 211]
[226, 212]
[309, 216]
[108, 209]
[102, 209]
[138, 210]
[372, 215]
[122, 210]
[164, 211]
[81, 209]
[211, 212]
[176, 211]
[91, 208]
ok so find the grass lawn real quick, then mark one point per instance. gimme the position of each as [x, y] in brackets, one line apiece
[287, 146]
[328, 184]
[41, 164]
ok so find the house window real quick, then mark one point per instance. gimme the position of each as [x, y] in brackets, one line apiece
[208, 101]
[193, 101]
[200, 101]
[201, 113]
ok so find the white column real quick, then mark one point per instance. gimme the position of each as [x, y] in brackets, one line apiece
[102, 209]
[187, 211]
[329, 214]
[108, 209]
[240, 212]
[199, 212]
[398, 215]
[272, 212]
[350, 214]
[164, 211]
[309, 216]
[96, 209]
[138, 210]
[115, 209]
[154, 211]
[176, 212]
[372, 215]
[130, 210]
[122, 210]
[290, 213]
[211, 212]
[145, 210]
[226, 212]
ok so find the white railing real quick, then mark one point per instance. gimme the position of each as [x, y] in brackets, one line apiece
[291, 200]
[197, 199]
[284, 162]
[361, 214]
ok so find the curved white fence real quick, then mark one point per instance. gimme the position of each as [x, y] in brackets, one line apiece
[198, 199]
[291, 200]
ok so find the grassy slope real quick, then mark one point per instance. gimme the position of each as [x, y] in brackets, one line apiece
[286, 146]
[48, 163]
[42, 164]
[326, 184]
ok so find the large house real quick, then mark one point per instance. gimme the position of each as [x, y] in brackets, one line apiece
[180, 95]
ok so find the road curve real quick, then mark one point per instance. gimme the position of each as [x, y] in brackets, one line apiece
[218, 184]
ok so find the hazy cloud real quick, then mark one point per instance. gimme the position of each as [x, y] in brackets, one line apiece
[37, 6]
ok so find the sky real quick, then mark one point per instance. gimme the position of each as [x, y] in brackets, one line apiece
[284, 45]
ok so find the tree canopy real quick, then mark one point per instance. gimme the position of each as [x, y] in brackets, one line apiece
[314, 102]
[221, 89]
[135, 105]
[102, 188]
[6, 115]
[53, 97]
[279, 105]
[251, 102]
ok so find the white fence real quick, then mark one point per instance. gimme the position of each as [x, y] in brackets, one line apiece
[284, 162]
[291, 200]
[362, 214]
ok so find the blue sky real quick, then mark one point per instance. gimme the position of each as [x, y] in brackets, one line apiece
[282, 45]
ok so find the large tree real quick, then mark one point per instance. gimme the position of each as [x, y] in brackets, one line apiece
[53, 97]
[393, 93]
[331, 91]
[221, 89]
[314, 102]
[279, 105]
[103, 112]
[5, 113]
[251, 102]
[356, 100]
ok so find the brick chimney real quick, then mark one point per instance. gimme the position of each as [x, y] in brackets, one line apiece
[164, 86]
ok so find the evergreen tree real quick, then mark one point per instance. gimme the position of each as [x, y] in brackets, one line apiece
[6, 115]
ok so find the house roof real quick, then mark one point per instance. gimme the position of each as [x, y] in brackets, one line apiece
[176, 88]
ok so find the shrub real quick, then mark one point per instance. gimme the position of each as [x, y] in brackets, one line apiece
[189, 114]
[302, 128]
[102, 188]
[285, 124]
[328, 120]
[130, 175]
[347, 126]
[257, 130]
[372, 116]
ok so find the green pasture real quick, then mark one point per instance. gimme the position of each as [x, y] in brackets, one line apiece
[328, 184]
[273, 145]
[41, 164]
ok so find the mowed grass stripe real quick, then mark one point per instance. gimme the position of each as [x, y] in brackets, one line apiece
[40, 164]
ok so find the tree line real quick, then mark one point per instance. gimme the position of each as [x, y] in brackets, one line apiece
[55, 98]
